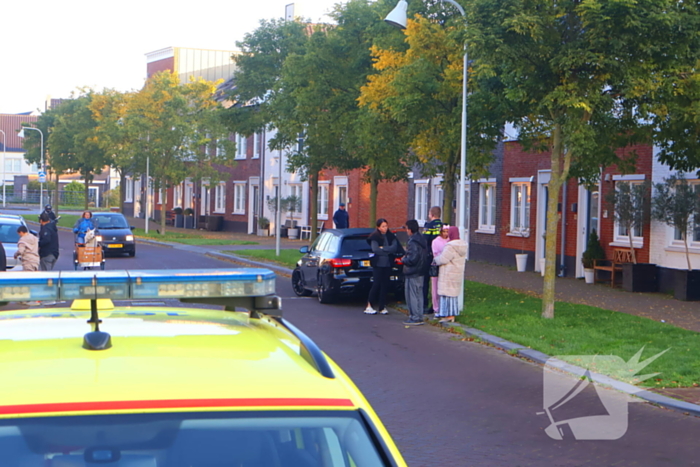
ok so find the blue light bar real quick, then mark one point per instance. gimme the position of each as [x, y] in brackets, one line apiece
[142, 284]
[28, 286]
[194, 283]
[86, 284]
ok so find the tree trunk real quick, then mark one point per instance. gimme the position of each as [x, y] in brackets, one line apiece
[87, 192]
[313, 210]
[561, 163]
[122, 191]
[163, 210]
[629, 237]
[448, 191]
[373, 191]
[687, 253]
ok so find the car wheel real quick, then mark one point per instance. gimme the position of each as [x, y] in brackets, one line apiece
[298, 284]
[324, 294]
[132, 253]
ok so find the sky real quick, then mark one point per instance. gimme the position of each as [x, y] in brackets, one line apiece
[51, 48]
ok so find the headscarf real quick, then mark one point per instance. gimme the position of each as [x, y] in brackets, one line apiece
[454, 233]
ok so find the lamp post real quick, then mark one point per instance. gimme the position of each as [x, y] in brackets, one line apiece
[4, 154]
[397, 18]
[41, 167]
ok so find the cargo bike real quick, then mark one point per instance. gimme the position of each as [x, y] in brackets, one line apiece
[89, 254]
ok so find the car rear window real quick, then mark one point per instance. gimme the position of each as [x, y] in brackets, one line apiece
[8, 233]
[355, 245]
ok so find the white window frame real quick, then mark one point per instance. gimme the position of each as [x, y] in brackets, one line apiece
[128, 190]
[322, 201]
[160, 196]
[177, 196]
[220, 198]
[189, 193]
[620, 239]
[239, 197]
[256, 145]
[420, 207]
[487, 207]
[241, 146]
[520, 199]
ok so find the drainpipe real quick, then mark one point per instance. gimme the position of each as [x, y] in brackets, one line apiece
[562, 266]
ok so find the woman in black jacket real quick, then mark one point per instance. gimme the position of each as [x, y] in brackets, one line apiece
[384, 245]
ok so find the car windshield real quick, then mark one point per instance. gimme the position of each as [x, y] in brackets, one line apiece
[309, 439]
[111, 222]
[8, 233]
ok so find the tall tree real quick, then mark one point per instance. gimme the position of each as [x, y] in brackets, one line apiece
[571, 76]
[179, 128]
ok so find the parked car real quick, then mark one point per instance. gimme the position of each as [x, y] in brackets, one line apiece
[337, 264]
[9, 238]
[115, 233]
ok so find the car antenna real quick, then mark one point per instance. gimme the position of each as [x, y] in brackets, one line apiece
[96, 339]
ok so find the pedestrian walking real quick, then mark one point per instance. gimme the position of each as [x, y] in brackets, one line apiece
[431, 230]
[438, 245]
[451, 279]
[82, 226]
[27, 249]
[48, 243]
[341, 218]
[384, 246]
[415, 263]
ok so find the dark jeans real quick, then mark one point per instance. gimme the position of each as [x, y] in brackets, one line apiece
[380, 285]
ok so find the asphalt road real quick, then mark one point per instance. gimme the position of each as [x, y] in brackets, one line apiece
[448, 402]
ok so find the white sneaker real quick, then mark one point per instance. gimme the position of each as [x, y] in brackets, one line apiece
[370, 311]
[384, 312]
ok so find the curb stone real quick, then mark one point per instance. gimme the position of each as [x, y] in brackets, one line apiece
[530, 354]
[566, 367]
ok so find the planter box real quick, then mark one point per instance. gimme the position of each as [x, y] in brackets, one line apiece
[179, 220]
[640, 277]
[589, 275]
[686, 285]
[189, 222]
[521, 261]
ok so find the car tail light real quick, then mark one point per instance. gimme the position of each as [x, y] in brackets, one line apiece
[341, 262]
[398, 261]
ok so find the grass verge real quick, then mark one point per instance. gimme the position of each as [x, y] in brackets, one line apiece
[288, 257]
[585, 330]
[190, 239]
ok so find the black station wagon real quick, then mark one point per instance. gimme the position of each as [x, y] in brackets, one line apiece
[337, 264]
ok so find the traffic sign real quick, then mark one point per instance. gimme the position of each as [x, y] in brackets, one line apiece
[42, 177]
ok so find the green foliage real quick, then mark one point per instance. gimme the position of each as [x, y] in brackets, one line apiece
[34, 185]
[263, 222]
[594, 250]
[110, 198]
[178, 210]
[292, 205]
[287, 257]
[677, 203]
[188, 212]
[73, 193]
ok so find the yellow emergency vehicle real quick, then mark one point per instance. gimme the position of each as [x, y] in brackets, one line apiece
[152, 386]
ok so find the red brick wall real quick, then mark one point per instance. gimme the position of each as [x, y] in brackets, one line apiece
[167, 64]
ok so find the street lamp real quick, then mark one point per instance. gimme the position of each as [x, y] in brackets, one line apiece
[41, 167]
[397, 18]
[4, 154]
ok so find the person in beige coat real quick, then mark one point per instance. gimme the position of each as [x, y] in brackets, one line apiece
[451, 277]
[28, 249]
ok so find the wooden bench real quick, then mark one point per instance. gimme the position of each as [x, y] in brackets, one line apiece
[613, 266]
[169, 218]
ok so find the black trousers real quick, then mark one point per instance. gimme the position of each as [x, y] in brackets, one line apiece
[380, 286]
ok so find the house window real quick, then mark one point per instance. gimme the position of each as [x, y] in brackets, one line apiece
[438, 198]
[189, 193]
[257, 143]
[177, 196]
[160, 196]
[239, 198]
[241, 146]
[693, 234]
[322, 204]
[520, 208]
[295, 190]
[487, 207]
[621, 231]
[128, 190]
[220, 198]
[421, 205]
[13, 165]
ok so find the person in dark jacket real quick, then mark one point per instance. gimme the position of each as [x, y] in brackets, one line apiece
[48, 210]
[431, 230]
[341, 218]
[384, 246]
[415, 263]
[48, 243]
